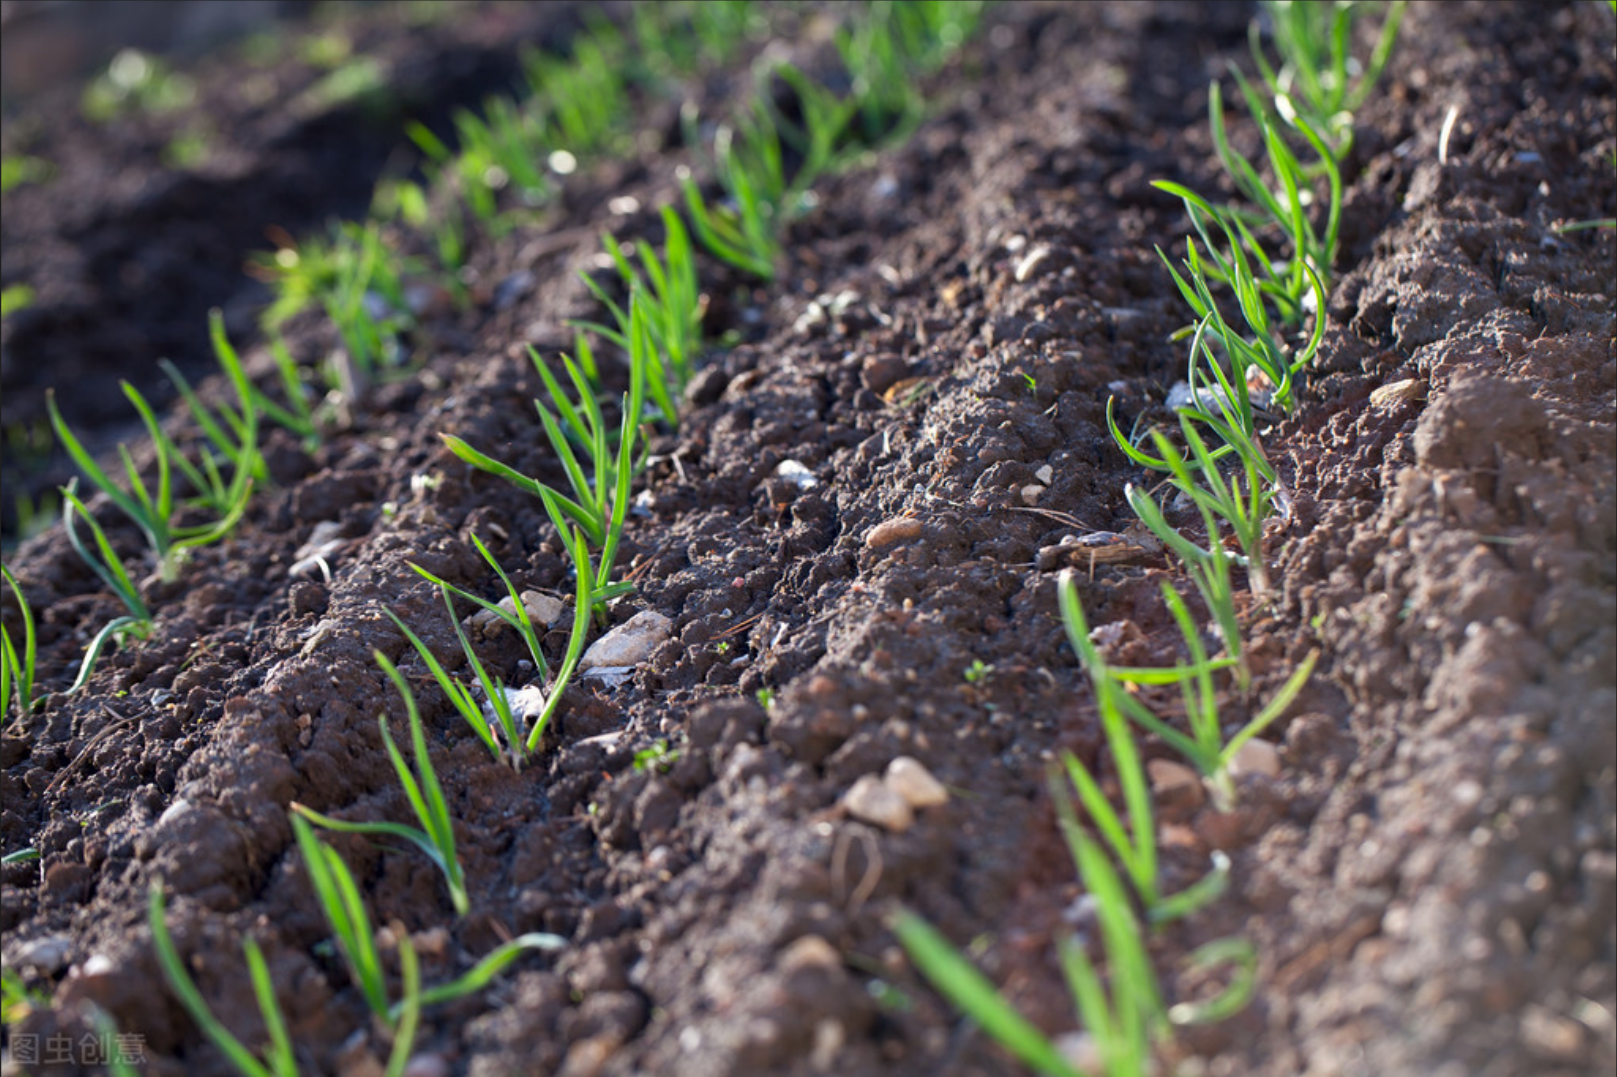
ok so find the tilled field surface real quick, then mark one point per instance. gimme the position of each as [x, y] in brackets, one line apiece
[1430, 878]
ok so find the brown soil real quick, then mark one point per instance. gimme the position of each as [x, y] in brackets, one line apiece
[1430, 881]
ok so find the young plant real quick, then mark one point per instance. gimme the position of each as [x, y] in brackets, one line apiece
[883, 85]
[584, 98]
[820, 140]
[583, 599]
[296, 415]
[506, 144]
[1205, 746]
[106, 564]
[339, 898]
[1318, 78]
[156, 512]
[366, 301]
[670, 298]
[345, 913]
[1287, 206]
[960, 982]
[16, 999]
[359, 281]
[1134, 846]
[278, 1059]
[233, 433]
[1264, 351]
[745, 232]
[517, 617]
[601, 502]
[17, 667]
[436, 835]
[1126, 1015]
[1123, 1013]
[508, 731]
[677, 40]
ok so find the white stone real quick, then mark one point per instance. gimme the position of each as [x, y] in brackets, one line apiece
[871, 800]
[1255, 757]
[630, 643]
[48, 954]
[910, 779]
[809, 951]
[542, 609]
[797, 474]
[1031, 261]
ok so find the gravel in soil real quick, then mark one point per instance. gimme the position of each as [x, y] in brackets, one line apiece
[1429, 874]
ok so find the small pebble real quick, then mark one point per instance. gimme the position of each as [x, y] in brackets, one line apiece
[809, 951]
[542, 609]
[1255, 757]
[1031, 262]
[630, 643]
[1175, 784]
[1393, 393]
[891, 532]
[797, 474]
[48, 954]
[427, 1065]
[870, 800]
[907, 777]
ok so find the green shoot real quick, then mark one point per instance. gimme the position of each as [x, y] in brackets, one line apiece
[436, 836]
[671, 300]
[1245, 511]
[679, 39]
[106, 564]
[357, 279]
[506, 142]
[406, 1012]
[1123, 1013]
[278, 1059]
[345, 912]
[296, 415]
[601, 500]
[483, 973]
[17, 667]
[1127, 1018]
[432, 216]
[745, 232]
[823, 131]
[582, 601]
[155, 512]
[960, 982]
[1209, 570]
[1319, 79]
[464, 702]
[1234, 998]
[1133, 846]
[15, 298]
[16, 1000]
[509, 728]
[1205, 746]
[339, 898]
[583, 98]
[233, 434]
[517, 617]
[889, 105]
